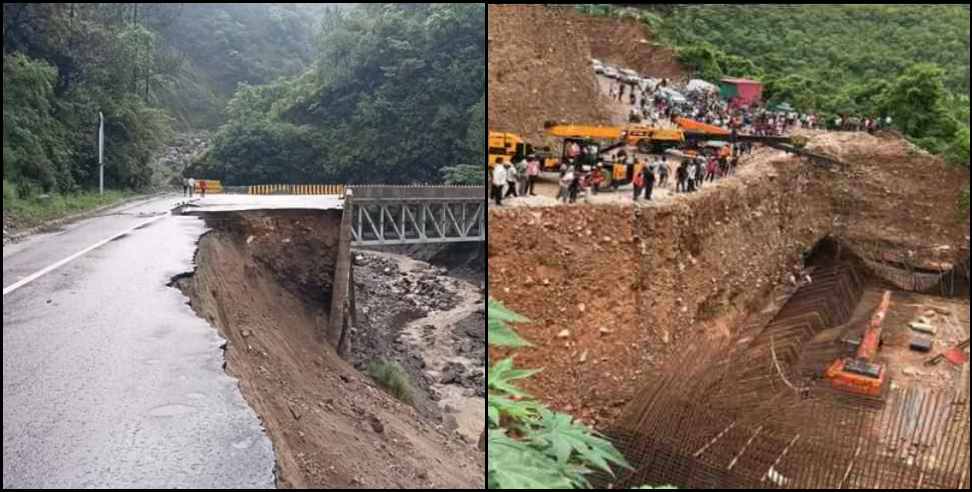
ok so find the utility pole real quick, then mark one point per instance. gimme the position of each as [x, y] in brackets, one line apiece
[101, 154]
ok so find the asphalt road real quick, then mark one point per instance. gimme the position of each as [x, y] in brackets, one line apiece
[109, 378]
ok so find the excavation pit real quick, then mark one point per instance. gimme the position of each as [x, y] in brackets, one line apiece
[680, 328]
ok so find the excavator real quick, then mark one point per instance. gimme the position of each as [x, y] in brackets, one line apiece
[862, 375]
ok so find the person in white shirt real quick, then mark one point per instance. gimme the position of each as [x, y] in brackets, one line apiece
[510, 181]
[192, 186]
[499, 181]
[565, 181]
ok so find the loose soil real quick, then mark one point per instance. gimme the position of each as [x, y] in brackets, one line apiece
[258, 280]
[540, 69]
[614, 291]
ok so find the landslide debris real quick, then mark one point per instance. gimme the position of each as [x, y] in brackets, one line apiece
[540, 69]
[331, 426]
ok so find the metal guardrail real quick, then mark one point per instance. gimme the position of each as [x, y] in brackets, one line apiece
[396, 215]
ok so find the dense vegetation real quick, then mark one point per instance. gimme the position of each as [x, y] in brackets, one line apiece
[299, 92]
[396, 95]
[222, 45]
[147, 67]
[529, 446]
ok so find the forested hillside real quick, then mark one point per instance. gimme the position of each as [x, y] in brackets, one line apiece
[224, 44]
[150, 68]
[909, 62]
[297, 92]
[395, 95]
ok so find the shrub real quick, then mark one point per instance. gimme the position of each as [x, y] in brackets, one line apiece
[530, 447]
[393, 379]
[958, 150]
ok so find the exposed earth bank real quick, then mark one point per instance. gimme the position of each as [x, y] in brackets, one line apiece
[263, 280]
[615, 291]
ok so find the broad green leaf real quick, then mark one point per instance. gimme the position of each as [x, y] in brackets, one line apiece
[499, 334]
[564, 440]
[501, 376]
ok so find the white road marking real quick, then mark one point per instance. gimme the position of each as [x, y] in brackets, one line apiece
[71, 258]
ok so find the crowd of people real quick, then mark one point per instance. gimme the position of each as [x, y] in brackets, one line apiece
[514, 180]
[660, 103]
[688, 175]
[189, 186]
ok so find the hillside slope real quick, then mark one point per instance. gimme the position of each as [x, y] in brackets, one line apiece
[539, 65]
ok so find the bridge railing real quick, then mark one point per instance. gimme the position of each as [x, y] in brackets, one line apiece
[395, 215]
[308, 189]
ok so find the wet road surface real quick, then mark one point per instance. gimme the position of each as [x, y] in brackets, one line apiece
[109, 378]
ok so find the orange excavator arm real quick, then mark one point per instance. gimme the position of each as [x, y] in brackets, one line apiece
[692, 126]
[872, 338]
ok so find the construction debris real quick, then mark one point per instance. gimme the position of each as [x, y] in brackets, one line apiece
[924, 328]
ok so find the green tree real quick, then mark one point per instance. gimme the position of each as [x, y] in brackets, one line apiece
[396, 96]
[916, 101]
[33, 137]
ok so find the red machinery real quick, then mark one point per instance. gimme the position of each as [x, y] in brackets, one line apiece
[863, 375]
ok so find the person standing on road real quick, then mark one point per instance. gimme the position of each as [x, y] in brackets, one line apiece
[499, 181]
[649, 184]
[663, 172]
[185, 187]
[692, 172]
[713, 169]
[638, 182]
[565, 182]
[533, 172]
[574, 187]
[521, 177]
[681, 178]
[202, 188]
[510, 181]
[192, 186]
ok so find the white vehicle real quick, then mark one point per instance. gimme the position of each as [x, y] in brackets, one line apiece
[647, 83]
[629, 76]
[611, 73]
[598, 67]
[674, 97]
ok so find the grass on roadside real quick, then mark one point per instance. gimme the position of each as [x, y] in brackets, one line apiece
[25, 213]
[393, 379]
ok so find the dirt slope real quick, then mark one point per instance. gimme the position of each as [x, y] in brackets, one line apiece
[539, 65]
[331, 426]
